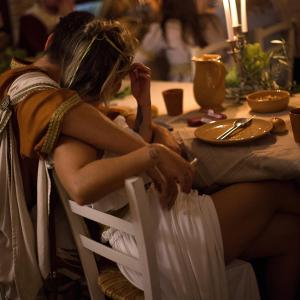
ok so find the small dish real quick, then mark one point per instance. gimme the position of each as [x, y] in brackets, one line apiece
[268, 101]
[209, 132]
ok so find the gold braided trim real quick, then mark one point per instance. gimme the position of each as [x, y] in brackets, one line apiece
[55, 121]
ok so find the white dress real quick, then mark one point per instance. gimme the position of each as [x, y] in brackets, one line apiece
[189, 249]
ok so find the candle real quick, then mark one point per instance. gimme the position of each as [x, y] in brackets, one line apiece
[234, 15]
[228, 20]
[244, 16]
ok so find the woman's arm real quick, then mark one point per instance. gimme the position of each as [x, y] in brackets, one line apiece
[160, 134]
[87, 179]
[140, 77]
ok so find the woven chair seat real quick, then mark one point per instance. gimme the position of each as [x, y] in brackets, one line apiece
[115, 286]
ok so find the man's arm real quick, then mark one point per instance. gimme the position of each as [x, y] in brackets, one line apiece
[159, 134]
[163, 136]
[87, 124]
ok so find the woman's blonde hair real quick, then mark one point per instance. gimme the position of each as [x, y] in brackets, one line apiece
[99, 55]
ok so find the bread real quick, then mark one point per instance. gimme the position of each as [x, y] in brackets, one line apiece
[279, 125]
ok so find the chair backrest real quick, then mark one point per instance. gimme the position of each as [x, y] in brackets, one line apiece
[140, 227]
[283, 30]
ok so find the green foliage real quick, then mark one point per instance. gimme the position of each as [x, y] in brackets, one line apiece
[6, 56]
[259, 69]
[232, 79]
[255, 60]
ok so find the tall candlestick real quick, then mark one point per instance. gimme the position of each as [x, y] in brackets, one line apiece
[244, 16]
[228, 20]
[234, 15]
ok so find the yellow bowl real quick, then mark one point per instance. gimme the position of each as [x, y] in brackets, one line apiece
[268, 101]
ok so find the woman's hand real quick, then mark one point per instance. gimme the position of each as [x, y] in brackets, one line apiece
[173, 167]
[166, 187]
[140, 77]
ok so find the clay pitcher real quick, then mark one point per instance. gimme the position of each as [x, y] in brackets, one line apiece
[209, 81]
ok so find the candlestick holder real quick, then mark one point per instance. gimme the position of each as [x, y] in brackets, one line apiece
[256, 69]
[237, 46]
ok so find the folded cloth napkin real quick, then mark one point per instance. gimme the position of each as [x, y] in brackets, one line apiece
[270, 157]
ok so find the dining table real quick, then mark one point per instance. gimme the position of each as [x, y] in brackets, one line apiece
[270, 157]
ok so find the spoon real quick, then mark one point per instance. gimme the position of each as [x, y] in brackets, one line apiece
[239, 123]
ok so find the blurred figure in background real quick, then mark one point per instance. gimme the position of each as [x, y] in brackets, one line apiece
[290, 10]
[137, 15]
[38, 21]
[183, 25]
[112, 9]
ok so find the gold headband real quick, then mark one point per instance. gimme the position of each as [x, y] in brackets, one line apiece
[113, 45]
[86, 51]
[105, 37]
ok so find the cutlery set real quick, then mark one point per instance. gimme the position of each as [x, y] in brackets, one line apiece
[237, 124]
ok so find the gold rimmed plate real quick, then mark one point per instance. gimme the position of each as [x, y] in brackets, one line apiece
[209, 132]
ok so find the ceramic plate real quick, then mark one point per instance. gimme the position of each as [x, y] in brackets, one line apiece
[209, 132]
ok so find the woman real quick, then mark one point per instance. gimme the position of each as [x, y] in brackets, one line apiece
[249, 220]
[184, 25]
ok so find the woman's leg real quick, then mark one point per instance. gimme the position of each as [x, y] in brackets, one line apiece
[250, 216]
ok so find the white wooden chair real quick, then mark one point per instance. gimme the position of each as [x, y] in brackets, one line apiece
[283, 30]
[140, 227]
[112, 283]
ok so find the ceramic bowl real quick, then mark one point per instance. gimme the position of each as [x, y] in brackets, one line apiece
[268, 101]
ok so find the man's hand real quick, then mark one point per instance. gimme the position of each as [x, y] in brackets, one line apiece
[163, 136]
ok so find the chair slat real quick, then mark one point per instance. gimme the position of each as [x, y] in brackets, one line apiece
[110, 253]
[102, 218]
